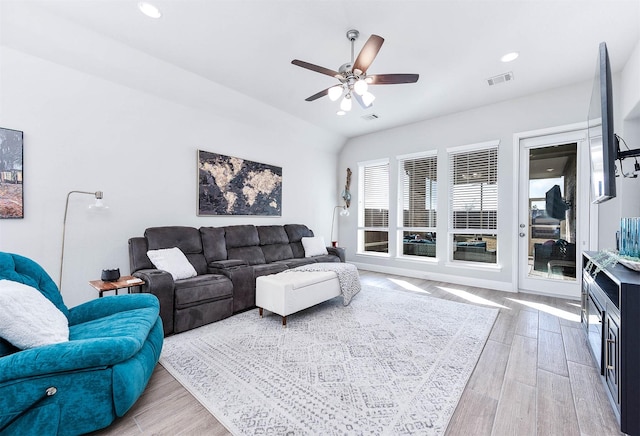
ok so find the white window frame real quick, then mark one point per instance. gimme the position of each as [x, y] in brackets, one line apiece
[361, 207]
[451, 231]
[400, 228]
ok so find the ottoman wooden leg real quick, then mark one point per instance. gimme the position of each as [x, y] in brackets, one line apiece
[284, 321]
[260, 311]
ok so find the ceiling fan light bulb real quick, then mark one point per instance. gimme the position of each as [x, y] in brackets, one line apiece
[335, 92]
[149, 10]
[360, 87]
[367, 98]
[345, 104]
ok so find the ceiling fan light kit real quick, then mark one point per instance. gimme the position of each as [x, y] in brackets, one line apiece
[354, 81]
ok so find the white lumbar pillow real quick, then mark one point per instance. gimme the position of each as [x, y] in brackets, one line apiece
[173, 261]
[28, 319]
[314, 246]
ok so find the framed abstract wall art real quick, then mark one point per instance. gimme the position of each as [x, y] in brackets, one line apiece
[233, 186]
[11, 193]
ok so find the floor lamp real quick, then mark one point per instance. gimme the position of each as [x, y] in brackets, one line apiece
[343, 212]
[97, 205]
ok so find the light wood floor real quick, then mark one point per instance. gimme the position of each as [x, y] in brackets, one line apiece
[534, 377]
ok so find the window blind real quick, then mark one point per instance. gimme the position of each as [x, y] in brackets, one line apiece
[474, 190]
[418, 184]
[376, 195]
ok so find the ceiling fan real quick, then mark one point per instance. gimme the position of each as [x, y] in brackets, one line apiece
[353, 77]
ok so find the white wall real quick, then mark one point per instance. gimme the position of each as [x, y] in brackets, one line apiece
[82, 132]
[500, 121]
[549, 109]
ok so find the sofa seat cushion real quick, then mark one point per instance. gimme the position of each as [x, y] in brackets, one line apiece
[208, 287]
[135, 324]
[270, 268]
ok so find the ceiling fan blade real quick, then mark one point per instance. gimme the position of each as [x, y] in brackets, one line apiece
[368, 53]
[392, 79]
[318, 95]
[316, 68]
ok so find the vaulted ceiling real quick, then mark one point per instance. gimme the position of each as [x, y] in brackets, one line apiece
[455, 46]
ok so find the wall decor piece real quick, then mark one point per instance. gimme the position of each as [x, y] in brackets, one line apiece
[11, 198]
[234, 186]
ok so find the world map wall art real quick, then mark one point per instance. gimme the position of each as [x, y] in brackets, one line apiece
[233, 186]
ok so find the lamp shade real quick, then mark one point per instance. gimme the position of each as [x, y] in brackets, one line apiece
[335, 92]
[345, 104]
[360, 87]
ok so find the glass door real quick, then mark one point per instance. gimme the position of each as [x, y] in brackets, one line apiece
[550, 212]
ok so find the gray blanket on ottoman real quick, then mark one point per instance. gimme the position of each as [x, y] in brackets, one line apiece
[347, 277]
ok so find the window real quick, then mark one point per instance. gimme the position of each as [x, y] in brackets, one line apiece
[373, 213]
[473, 214]
[418, 194]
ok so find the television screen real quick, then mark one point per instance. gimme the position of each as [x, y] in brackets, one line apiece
[602, 140]
[555, 206]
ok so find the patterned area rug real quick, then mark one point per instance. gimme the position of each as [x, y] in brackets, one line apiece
[390, 363]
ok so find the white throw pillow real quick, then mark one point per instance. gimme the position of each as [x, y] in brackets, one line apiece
[173, 261]
[28, 319]
[314, 246]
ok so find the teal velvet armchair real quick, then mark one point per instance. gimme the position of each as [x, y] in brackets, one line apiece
[114, 345]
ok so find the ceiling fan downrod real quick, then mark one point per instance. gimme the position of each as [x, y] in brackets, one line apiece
[352, 35]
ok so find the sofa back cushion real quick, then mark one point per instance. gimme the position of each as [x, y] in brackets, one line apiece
[213, 243]
[296, 232]
[243, 243]
[241, 236]
[274, 243]
[270, 235]
[187, 239]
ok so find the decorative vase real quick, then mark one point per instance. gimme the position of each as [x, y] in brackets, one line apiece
[110, 275]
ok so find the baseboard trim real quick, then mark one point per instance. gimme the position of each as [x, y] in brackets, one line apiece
[436, 277]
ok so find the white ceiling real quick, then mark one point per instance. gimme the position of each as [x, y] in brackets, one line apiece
[453, 45]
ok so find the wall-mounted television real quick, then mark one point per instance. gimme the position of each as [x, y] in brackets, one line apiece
[555, 206]
[603, 143]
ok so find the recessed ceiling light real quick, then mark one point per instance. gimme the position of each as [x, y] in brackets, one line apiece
[510, 56]
[550, 170]
[149, 10]
[340, 113]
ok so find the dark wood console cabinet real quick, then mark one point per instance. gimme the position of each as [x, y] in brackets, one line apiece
[611, 318]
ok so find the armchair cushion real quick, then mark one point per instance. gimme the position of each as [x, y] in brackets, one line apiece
[28, 319]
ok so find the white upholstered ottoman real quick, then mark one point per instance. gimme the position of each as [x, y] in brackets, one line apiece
[289, 292]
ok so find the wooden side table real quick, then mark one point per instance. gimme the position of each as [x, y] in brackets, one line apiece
[124, 282]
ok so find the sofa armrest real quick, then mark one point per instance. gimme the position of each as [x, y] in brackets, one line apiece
[225, 264]
[67, 356]
[244, 284]
[102, 307]
[337, 251]
[160, 283]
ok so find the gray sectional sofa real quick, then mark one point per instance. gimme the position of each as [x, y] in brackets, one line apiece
[227, 261]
